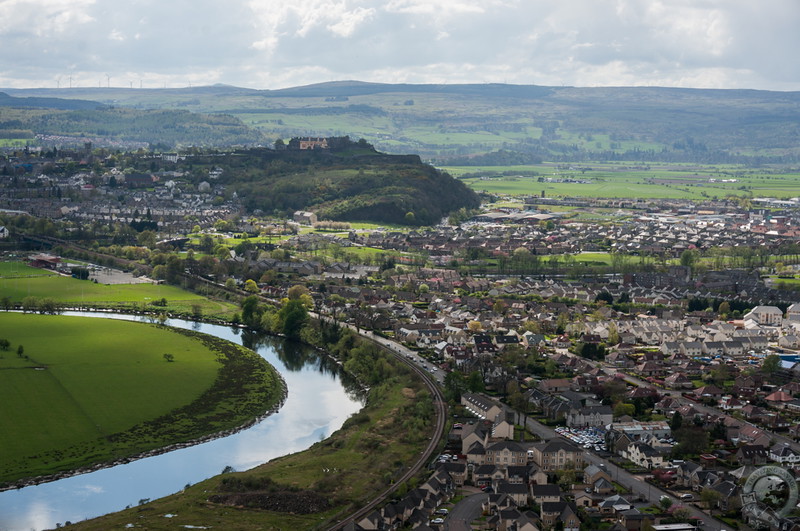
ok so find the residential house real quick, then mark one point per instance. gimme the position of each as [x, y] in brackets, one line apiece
[560, 511]
[547, 493]
[765, 315]
[709, 391]
[517, 492]
[784, 454]
[506, 453]
[644, 455]
[678, 380]
[481, 406]
[613, 505]
[634, 520]
[752, 454]
[483, 475]
[590, 416]
[555, 385]
[593, 473]
[556, 455]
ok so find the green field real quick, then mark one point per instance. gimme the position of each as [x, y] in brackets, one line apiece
[18, 281]
[20, 269]
[82, 388]
[676, 181]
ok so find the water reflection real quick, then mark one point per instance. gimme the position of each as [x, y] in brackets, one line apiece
[296, 357]
[320, 399]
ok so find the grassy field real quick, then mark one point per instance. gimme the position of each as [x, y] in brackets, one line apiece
[18, 281]
[679, 181]
[82, 388]
[86, 378]
[20, 269]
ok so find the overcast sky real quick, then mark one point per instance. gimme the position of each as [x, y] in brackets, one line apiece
[271, 44]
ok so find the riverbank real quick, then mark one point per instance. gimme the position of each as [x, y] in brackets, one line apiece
[242, 390]
[373, 450]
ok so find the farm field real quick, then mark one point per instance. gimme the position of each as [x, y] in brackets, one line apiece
[678, 181]
[80, 380]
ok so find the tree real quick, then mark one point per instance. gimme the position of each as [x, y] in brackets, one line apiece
[691, 440]
[724, 308]
[20, 351]
[710, 497]
[169, 357]
[292, 316]
[677, 421]
[251, 313]
[720, 373]
[689, 258]
[230, 283]
[5, 344]
[613, 334]
[298, 292]
[474, 326]
[621, 409]
[771, 364]
[665, 502]
[147, 238]
[250, 286]
[454, 385]
[604, 296]
[475, 382]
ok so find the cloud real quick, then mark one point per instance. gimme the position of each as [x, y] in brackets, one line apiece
[267, 44]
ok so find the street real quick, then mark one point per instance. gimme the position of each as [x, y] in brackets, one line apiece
[637, 487]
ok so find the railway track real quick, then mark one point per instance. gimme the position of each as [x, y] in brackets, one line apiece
[440, 407]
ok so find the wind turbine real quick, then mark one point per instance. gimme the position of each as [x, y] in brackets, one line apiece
[108, 81]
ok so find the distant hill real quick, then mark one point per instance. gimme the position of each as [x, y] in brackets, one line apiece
[47, 103]
[61, 120]
[458, 122]
[350, 181]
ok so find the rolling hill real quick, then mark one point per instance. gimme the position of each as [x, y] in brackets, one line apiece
[445, 122]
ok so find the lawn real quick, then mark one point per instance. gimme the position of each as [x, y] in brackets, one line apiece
[21, 269]
[80, 382]
[18, 281]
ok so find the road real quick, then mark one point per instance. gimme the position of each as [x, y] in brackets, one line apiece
[708, 410]
[638, 487]
[465, 512]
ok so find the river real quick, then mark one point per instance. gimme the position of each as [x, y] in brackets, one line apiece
[320, 398]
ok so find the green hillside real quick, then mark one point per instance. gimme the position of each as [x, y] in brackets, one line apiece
[23, 118]
[452, 123]
[351, 181]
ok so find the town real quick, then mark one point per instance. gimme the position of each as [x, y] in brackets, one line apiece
[629, 374]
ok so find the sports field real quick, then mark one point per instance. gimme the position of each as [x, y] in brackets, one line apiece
[18, 281]
[81, 389]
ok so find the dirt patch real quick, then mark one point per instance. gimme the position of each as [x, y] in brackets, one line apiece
[408, 393]
[303, 502]
[107, 275]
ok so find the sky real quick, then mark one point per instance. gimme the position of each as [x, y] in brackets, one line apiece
[273, 44]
